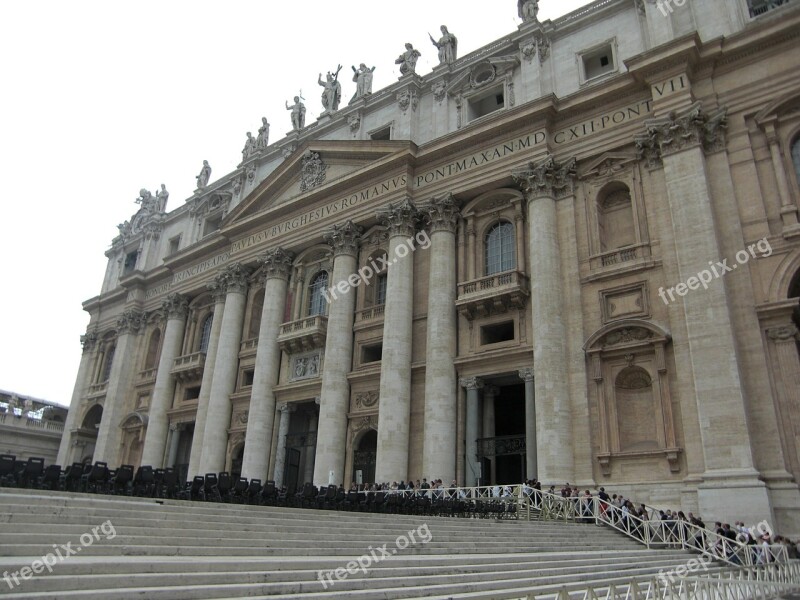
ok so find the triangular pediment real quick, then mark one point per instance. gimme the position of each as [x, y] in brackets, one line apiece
[319, 167]
[607, 165]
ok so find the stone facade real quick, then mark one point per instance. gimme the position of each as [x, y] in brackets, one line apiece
[572, 254]
[30, 427]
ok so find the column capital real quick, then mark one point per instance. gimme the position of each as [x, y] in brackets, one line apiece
[88, 341]
[217, 289]
[344, 239]
[682, 130]
[471, 383]
[547, 178]
[176, 426]
[131, 321]
[441, 213]
[783, 333]
[176, 306]
[287, 408]
[526, 375]
[400, 219]
[277, 264]
[234, 278]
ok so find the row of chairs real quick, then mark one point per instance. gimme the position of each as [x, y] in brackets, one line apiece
[223, 487]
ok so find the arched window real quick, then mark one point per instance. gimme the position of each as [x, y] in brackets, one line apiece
[501, 250]
[205, 334]
[151, 360]
[615, 218]
[796, 157]
[109, 360]
[633, 390]
[317, 304]
[380, 289]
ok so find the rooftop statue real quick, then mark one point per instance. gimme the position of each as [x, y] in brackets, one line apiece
[408, 60]
[162, 196]
[447, 45]
[205, 175]
[363, 78]
[528, 10]
[249, 147]
[332, 94]
[298, 114]
[263, 135]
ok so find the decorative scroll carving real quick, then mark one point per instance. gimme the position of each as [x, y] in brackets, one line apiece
[400, 219]
[439, 90]
[367, 399]
[344, 239]
[277, 264]
[441, 214]
[407, 98]
[627, 336]
[783, 333]
[313, 173]
[547, 178]
[471, 383]
[176, 306]
[131, 321]
[88, 341]
[693, 127]
[234, 278]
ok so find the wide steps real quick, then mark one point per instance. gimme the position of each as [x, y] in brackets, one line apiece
[176, 550]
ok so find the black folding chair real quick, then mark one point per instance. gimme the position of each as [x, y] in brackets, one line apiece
[169, 483]
[96, 480]
[122, 480]
[8, 464]
[72, 477]
[32, 472]
[239, 490]
[210, 491]
[253, 491]
[269, 494]
[193, 489]
[143, 482]
[224, 486]
[51, 480]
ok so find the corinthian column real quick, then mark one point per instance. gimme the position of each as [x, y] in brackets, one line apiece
[119, 382]
[276, 266]
[441, 385]
[217, 289]
[531, 461]
[175, 307]
[286, 411]
[335, 396]
[730, 479]
[218, 418]
[473, 386]
[88, 342]
[545, 182]
[391, 463]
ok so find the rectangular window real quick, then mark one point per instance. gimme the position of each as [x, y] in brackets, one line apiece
[247, 378]
[192, 393]
[130, 263]
[598, 62]
[380, 290]
[212, 225]
[497, 333]
[371, 354]
[384, 133]
[174, 245]
[486, 103]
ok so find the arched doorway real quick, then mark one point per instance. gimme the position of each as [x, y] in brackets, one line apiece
[364, 453]
[86, 436]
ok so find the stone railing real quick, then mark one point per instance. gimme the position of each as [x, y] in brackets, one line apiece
[28, 423]
[148, 376]
[303, 334]
[248, 347]
[373, 313]
[620, 256]
[97, 389]
[189, 366]
[491, 294]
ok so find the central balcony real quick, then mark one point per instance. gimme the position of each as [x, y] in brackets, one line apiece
[189, 367]
[493, 294]
[303, 335]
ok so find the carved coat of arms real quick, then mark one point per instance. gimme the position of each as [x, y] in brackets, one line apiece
[313, 173]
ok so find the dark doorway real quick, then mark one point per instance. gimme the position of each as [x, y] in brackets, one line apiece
[292, 471]
[505, 452]
[236, 463]
[364, 458]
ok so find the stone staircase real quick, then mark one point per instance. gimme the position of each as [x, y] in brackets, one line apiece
[174, 550]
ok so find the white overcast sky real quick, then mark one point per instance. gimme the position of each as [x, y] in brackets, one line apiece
[102, 98]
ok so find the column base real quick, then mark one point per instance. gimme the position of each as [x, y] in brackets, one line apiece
[733, 495]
